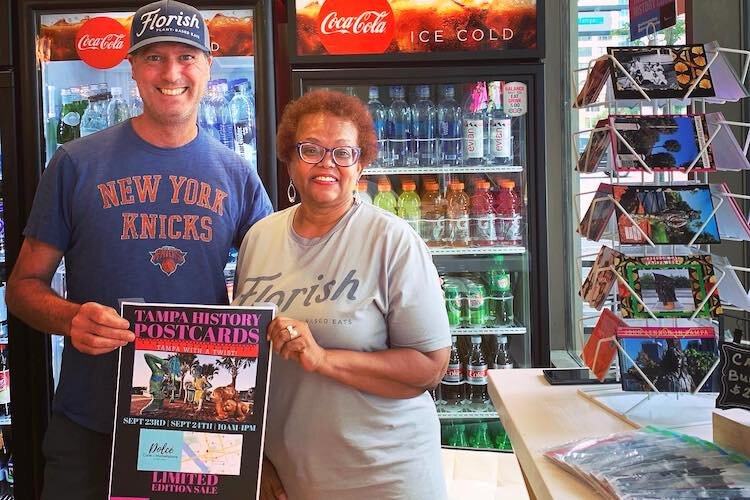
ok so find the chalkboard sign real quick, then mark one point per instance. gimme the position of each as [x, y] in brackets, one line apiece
[735, 377]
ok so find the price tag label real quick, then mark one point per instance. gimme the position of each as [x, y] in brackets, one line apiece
[735, 377]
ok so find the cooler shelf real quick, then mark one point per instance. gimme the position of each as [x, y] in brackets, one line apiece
[477, 250]
[463, 412]
[487, 169]
[508, 330]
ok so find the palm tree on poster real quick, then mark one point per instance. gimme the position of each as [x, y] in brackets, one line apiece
[234, 365]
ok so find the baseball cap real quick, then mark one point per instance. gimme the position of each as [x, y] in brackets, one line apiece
[168, 21]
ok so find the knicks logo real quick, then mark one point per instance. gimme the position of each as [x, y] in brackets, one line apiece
[168, 258]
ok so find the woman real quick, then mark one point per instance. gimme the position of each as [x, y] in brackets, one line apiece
[362, 331]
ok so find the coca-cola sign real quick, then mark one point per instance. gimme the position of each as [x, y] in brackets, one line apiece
[348, 27]
[102, 42]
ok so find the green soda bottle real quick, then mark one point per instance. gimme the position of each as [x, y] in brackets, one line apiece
[385, 198]
[409, 205]
[502, 297]
[481, 439]
[458, 436]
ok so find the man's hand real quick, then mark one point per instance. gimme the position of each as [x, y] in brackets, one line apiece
[270, 484]
[98, 329]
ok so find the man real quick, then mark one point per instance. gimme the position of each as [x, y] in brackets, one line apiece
[148, 208]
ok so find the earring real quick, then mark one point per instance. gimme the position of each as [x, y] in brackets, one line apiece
[291, 192]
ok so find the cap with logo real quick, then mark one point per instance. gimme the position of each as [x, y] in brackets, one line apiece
[168, 21]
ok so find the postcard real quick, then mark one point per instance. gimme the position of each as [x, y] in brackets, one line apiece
[595, 80]
[661, 142]
[669, 286]
[675, 359]
[597, 353]
[598, 214]
[598, 283]
[599, 140]
[674, 215]
[660, 71]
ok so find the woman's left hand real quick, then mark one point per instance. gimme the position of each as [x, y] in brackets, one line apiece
[293, 340]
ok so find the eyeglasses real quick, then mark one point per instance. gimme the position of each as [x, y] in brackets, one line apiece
[343, 156]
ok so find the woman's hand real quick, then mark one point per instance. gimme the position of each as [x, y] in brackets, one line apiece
[270, 484]
[293, 340]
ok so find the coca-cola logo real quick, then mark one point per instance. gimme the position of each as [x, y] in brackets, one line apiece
[102, 42]
[347, 27]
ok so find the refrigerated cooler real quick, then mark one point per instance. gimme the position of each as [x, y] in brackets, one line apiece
[456, 94]
[71, 57]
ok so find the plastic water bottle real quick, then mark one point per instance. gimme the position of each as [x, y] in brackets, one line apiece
[457, 231]
[94, 118]
[499, 144]
[433, 214]
[508, 217]
[207, 113]
[423, 128]
[399, 128]
[136, 103]
[221, 101]
[385, 198]
[474, 124]
[379, 120]
[362, 193]
[449, 129]
[409, 205]
[117, 109]
[243, 119]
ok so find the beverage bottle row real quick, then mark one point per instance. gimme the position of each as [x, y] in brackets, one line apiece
[487, 217]
[227, 112]
[87, 109]
[481, 435]
[465, 380]
[478, 302]
[423, 134]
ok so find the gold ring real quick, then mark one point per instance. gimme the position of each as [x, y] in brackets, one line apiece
[293, 333]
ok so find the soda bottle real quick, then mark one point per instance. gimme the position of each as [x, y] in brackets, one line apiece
[433, 214]
[476, 372]
[501, 441]
[423, 128]
[409, 205]
[399, 128]
[500, 147]
[379, 120]
[481, 439]
[385, 198]
[51, 125]
[362, 193]
[4, 382]
[457, 437]
[482, 223]
[242, 112]
[502, 298]
[477, 304]
[453, 380]
[452, 304]
[502, 359]
[69, 124]
[117, 109]
[508, 219]
[457, 211]
[449, 129]
[474, 120]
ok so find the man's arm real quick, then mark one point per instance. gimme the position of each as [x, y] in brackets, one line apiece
[93, 328]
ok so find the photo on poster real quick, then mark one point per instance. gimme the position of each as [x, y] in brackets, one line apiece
[188, 386]
[674, 359]
[670, 286]
[660, 71]
[664, 142]
[667, 215]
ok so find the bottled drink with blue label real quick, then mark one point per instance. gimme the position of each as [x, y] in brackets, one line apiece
[499, 144]
[475, 124]
[423, 128]
[449, 129]
[242, 112]
[399, 128]
[379, 120]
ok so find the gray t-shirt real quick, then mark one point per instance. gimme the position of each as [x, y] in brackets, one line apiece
[366, 285]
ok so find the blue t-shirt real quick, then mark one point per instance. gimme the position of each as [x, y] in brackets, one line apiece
[136, 220]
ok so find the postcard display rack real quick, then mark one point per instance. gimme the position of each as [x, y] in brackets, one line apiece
[666, 221]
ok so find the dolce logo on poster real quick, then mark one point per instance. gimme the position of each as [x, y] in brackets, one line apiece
[200, 326]
[348, 27]
[102, 42]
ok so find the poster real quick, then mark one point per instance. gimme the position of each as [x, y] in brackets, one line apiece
[191, 401]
